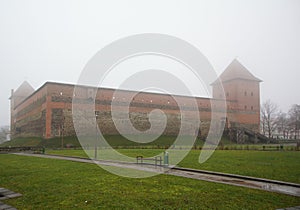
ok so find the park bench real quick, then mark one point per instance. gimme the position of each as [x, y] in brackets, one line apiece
[157, 160]
[272, 147]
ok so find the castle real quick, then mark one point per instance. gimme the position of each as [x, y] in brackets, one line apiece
[47, 111]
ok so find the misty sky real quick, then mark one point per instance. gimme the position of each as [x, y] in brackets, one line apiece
[53, 40]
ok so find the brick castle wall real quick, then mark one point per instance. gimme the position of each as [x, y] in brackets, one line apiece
[48, 111]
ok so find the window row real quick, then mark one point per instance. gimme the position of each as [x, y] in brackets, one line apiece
[245, 93]
[245, 107]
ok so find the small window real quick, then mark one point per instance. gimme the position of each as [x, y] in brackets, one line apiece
[245, 93]
[251, 93]
[90, 93]
[97, 113]
[227, 94]
[245, 107]
[251, 107]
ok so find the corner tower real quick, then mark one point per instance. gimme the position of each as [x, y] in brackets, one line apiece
[242, 93]
[16, 98]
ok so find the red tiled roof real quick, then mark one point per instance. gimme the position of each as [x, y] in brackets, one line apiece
[25, 89]
[236, 70]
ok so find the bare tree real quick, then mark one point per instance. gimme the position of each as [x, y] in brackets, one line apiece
[282, 124]
[294, 114]
[3, 132]
[263, 122]
[289, 128]
[268, 117]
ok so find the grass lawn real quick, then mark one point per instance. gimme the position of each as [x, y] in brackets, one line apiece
[113, 140]
[59, 184]
[279, 165]
[116, 141]
[276, 165]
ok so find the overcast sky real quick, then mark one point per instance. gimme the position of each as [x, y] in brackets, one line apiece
[53, 40]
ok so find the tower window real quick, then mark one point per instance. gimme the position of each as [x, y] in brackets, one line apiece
[251, 107]
[90, 93]
[245, 107]
[245, 93]
[251, 93]
[227, 94]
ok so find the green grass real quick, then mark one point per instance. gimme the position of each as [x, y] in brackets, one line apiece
[113, 140]
[116, 141]
[22, 142]
[39, 142]
[68, 152]
[59, 184]
[278, 165]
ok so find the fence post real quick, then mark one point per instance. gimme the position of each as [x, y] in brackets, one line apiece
[166, 158]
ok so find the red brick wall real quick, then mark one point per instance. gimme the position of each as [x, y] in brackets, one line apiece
[243, 102]
[27, 119]
[58, 108]
[61, 98]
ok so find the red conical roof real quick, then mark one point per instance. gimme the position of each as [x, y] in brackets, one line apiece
[236, 70]
[21, 93]
[24, 90]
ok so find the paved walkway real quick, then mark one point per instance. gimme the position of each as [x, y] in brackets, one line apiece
[291, 208]
[7, 194]
[237, 180]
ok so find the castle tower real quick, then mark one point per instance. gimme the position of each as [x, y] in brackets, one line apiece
[16, 98]
[242, 94]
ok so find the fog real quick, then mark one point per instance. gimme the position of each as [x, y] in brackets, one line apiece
[53, 40]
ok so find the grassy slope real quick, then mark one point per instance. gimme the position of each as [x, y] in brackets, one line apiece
[39, 142]
[58, 184]
[113, 140]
